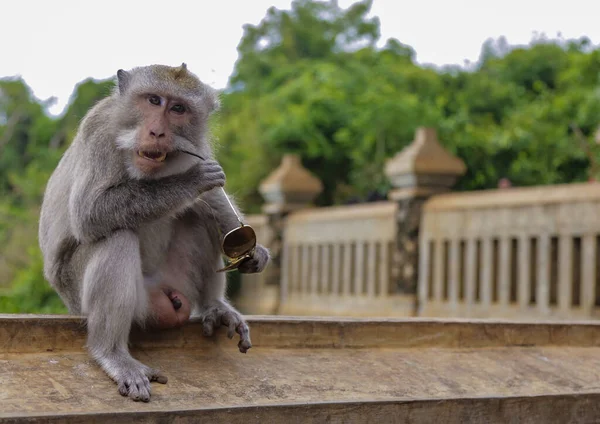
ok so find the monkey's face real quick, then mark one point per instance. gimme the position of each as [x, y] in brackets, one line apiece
[163, 110]
[162, 117]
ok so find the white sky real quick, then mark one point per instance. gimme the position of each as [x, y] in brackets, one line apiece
[54, 44]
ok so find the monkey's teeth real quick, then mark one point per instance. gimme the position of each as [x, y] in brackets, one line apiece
[152, 156]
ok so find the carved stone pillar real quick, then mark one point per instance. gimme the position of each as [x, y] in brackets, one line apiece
[420, 170]
[288, 188]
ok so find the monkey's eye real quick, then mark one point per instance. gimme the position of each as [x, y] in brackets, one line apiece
[155, 100]
[178, 109]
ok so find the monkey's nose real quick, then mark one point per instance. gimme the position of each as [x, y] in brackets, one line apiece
[157, 134]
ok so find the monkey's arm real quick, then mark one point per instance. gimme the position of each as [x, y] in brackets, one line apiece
[217, 207]
[98, 210]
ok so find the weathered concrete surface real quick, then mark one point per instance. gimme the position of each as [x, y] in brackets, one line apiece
[311, 370]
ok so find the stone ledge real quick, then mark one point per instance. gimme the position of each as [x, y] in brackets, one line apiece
[523, 409]
[55, 333]
[312, 369]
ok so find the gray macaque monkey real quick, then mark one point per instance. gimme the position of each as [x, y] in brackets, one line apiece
[129, 225]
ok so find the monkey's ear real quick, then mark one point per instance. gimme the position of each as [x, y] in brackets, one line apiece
[123, 80]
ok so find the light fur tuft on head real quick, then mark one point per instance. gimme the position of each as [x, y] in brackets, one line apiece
[181, 71]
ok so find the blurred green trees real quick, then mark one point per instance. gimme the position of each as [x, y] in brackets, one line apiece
[313, 81]
[33, 146]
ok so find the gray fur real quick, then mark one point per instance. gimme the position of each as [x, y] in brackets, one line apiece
[108, 234]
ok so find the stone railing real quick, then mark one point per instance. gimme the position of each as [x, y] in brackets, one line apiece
[530, 252]
[339, 259]
[517, 252]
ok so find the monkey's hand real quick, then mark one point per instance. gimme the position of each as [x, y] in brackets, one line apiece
[257, 262]
[219, 313]
[207, 175]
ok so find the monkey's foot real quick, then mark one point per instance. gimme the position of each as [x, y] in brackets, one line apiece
[132, 377]
[220, 313]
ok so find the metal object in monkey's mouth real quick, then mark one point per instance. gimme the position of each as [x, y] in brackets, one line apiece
[154, 155]
[238, 244]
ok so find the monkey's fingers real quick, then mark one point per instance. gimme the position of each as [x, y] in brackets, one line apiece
[249, 266]
[211, 176]
[210, 165]
[257, 262]
[229, 320]
[244, 332]
[212, 168]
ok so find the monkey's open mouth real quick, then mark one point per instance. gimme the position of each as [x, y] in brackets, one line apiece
[155, 156]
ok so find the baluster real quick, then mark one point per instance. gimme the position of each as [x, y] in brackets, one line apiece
[384, 266]
[565, 273]
[359, 260]
[486, 272]
[454, 274]
[543, 274]
[504, 268]
[470, 273]
[438, 270]
[524, 271]
[347, 270]
[335, 275]
[588, 273]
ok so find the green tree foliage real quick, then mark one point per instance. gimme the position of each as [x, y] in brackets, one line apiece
[311, 80]
[316, 80]
[33, 147]
[311, 31]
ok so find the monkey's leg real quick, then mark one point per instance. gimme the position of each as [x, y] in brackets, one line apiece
[113, 297]
[214, 309]
[193, 259]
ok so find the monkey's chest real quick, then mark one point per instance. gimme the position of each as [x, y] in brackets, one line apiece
[155, 240]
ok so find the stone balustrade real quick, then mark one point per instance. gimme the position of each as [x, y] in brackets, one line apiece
[517, 252]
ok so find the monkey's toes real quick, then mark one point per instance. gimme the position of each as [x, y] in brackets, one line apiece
[230, 318]
[208, 325]
[157, 376]
[138, 389]
[244, 345]
[244, 331]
